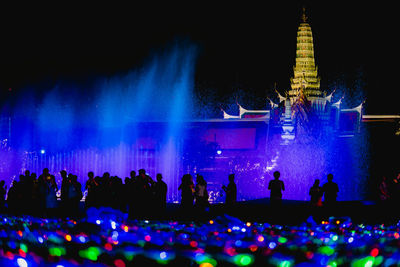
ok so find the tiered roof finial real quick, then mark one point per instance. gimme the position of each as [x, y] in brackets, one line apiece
[304, 17]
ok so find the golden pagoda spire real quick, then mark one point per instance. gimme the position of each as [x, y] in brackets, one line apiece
[305, 71]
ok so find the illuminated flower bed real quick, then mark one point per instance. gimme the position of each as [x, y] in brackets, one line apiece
[225, 241]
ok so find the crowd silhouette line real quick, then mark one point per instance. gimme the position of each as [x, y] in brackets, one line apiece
[138, 195]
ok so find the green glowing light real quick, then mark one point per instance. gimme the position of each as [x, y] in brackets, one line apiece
[57, 251]
[364, 262]
[91, 253]
[326, 250]
[285, 264]
[243, 259]
[282, 239]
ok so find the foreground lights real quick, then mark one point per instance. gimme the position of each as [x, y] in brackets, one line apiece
[243, 259]
[22, 262]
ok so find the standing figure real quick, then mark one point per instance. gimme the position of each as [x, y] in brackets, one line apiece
[231, 191]
[187, 189]
[144, 193]
[316, 194]
[51, 196]
[74, 195]
[201, 193]
[160, 194]
[330, 190]
[64, 192]
[276, 186]
[91, 187]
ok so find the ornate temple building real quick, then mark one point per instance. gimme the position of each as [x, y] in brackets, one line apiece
[305, 106]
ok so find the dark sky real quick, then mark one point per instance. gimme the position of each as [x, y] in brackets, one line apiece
[246, 46]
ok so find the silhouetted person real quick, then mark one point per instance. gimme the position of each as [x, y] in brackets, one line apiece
[187, 188]
[144, 193]
[316, 194]
[42, 190]
[74, 195]
[132, 194]
[116, 193]
[64, 192]
[230, 191]
[14, 198]
[330, 190]
[105, 192]
[276, 186]
[201, 193]
[91, 186]
[51, 197]
[160, 194]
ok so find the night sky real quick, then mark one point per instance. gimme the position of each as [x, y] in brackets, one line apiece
[248, 47]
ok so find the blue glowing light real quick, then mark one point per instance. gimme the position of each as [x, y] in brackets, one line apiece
[163, 255]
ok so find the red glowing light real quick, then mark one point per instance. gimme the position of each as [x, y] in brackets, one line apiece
[119, 263]
[309, 255]
[374, 252]
[108, 247]
[253, 248]
[147, 238]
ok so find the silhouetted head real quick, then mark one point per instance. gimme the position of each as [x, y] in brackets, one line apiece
[63, 173]
[187, 179]
[142, 172]
[90, 175]
[27, 173]
[2, 182]
[316, 182]
[133, 174]
[231, 177]
[106, 175]
[159, 177]
[277, 175]
[200, 179]
[45, 171]
[330, 177]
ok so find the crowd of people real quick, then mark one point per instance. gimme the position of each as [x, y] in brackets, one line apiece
[37, 196]
[138, 195]
[329, 191]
